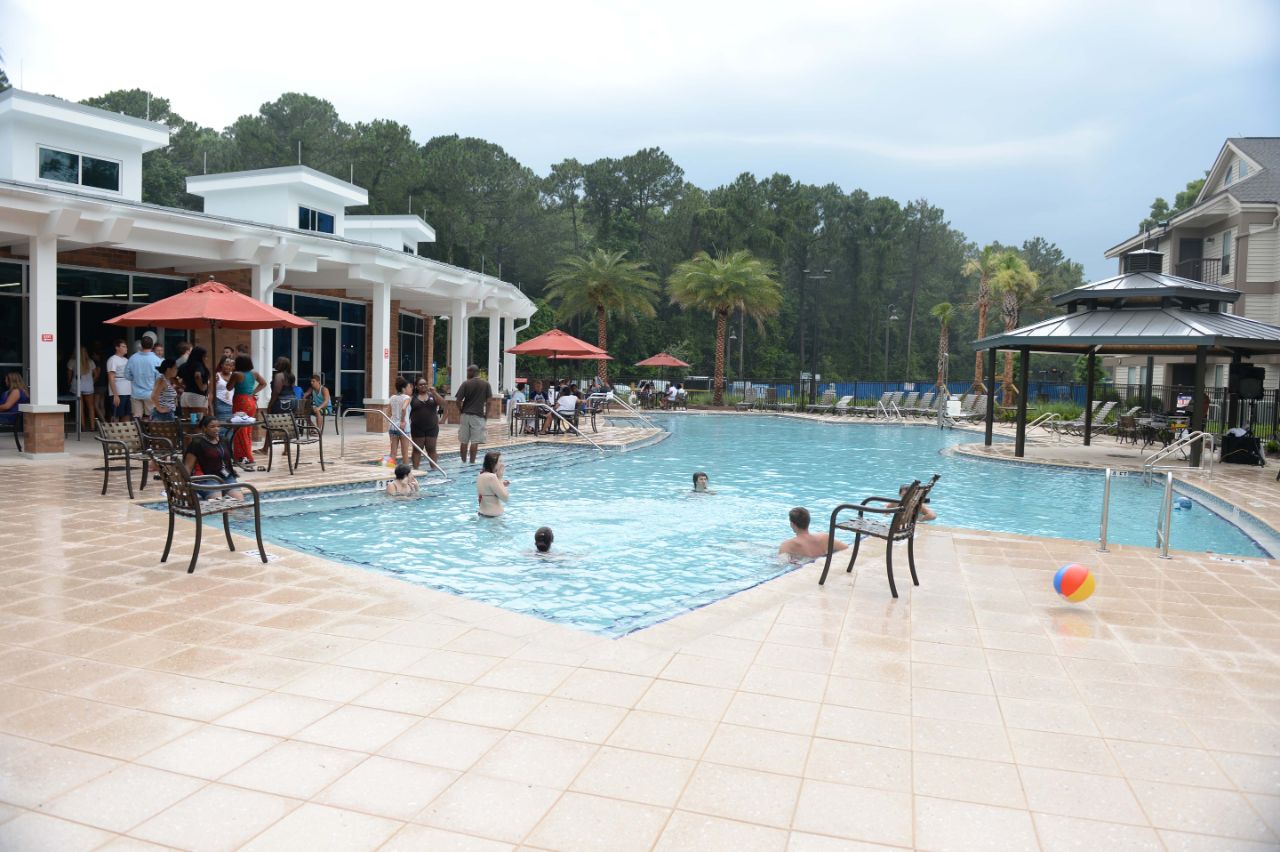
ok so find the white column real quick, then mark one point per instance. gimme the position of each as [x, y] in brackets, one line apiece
[457, 345]
[495, 340]
[260, 340]
[508, 360]
[42, 326]
[380, 381]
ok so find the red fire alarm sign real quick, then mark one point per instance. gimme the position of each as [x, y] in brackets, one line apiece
[46, 338]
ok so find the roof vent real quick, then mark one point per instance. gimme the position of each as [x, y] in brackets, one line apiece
[1144, 260]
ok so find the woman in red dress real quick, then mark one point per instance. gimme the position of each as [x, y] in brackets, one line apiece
[248, 383]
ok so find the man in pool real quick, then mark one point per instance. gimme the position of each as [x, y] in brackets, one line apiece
[542, 539]
[700, 483]
[804, 543]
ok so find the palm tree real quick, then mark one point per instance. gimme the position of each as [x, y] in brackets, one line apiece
[943, 311]
[603, 283]
[984, 266]
[1016, 282]
[723, 284]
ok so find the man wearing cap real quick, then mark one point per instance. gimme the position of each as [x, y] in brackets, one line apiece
[141, 373]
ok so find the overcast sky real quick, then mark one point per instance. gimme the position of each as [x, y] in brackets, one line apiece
[1060, 119]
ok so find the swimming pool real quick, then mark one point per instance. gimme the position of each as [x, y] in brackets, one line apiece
[634, 546]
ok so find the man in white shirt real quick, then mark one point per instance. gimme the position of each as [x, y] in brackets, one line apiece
[671, 396]
[566, 406]
[118, 387]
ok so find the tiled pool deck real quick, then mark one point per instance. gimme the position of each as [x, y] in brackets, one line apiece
[300, 704]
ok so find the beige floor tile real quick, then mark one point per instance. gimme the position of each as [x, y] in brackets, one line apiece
[741, 794]
[316, 827]
[869, 695]
[381, 657]
[215, 818]
[1171, 764]
[57, 716]
[396, 789]
[1071, 834]
[705, 671]
[860, 765]
[36, 773]
[535, 759]
[573, 720]
[489, 807]
[1177, 841]
[698, 831]
[437, 742]
[1252, 773]
[616, 688]
[865, 726]
[36, 831]
[1200, 810]
[683, 699]
[123, 797]
[334, 683]
[635, 776]
[951, 678]
[982, 781]
[1053, 791]
[754, 748]
[278, 714]
[579, 821]
[525, 676]
[415, 838]
[357, 728]
[1143, 727]
[496, 708]
[676, 736]
[961, 739]
[405, 694]
[955, 706]
[1062, 751]
[453, 666]
[854, 813]
[942, 824]
[800, 841]
[208, 752]
[300, 770]
[1047, 716]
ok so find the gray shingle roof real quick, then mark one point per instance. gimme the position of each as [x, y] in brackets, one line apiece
[1262, 186]
[1149, 284]
[1165, 328]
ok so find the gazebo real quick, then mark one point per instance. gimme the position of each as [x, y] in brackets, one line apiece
[1140, 312]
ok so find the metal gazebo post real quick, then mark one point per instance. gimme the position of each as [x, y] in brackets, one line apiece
[1024, 364]
[1197, 406]
[991, 397]
[1090, 378]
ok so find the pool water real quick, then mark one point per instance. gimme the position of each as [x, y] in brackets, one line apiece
[634, 546]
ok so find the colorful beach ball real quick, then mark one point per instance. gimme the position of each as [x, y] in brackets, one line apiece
[1074, 582]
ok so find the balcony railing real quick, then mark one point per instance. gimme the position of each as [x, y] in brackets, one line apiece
[1205, 269]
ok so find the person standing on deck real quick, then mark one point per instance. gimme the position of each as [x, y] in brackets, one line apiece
[473, 403]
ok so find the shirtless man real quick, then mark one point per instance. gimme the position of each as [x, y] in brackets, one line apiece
[806, 544]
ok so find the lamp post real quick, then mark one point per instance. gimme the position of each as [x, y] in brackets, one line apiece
[891, 316]
[728, 355]
[813, 348]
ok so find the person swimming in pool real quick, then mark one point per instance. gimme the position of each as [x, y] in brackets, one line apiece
[700, 483]
[405, 484]
[491, 487]
[542, 539]
[804, 544]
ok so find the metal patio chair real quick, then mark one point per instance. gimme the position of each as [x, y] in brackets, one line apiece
[183, 493]
[903, 512]
[122, 445]
[293, 432]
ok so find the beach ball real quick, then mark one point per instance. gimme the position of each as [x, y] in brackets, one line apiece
[1074, 582]
[388, 461]
[1183, 503]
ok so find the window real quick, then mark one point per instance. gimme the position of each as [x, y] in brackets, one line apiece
[1228, 243]
[66, 167]
[408, 249]
[315, 220]
[412, 329]
[1244, 170]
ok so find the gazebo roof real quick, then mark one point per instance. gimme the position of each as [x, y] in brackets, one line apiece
[1145, 286]
[1141, 330]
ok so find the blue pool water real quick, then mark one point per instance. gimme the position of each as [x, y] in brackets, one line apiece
[634, 546]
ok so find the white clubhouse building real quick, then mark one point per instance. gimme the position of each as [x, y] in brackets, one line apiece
[78, 246]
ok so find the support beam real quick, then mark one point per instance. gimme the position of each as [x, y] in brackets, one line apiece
[495, 349]
[508, 360]
[1024, 367]
[1233, 399]
[1151, 372]
[42, 416]
[380, 354]
[429, 350]
[260, 340]
[1091, 379]
[991, 397]
[457, 345]
[1197, 404]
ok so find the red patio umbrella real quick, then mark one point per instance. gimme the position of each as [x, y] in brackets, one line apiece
[210, 303]
[556, 344]
[662, 359]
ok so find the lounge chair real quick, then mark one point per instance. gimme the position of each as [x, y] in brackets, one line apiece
[844, 406]
[903, 512]
[923, 408]
[909, 403]
[976, 411]
[873, 409]
[748, 400]
[183, 492]
[825, 405]
[1069, 427]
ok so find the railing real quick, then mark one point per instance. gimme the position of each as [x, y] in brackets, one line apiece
[1165, 518]
[568, 424]
[1043, 422]
[611, 399]
[888, 411]
[342, 440]
[1205, 269]
[1206, 454]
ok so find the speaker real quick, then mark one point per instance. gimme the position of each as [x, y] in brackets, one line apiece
[1245, 381]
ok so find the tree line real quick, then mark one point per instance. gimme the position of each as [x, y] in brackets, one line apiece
[852, 268]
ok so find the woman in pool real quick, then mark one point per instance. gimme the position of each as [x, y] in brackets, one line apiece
[404, 485]
[700, 483]
[491, 488]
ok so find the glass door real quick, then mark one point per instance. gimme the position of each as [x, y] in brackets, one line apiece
[328, 354]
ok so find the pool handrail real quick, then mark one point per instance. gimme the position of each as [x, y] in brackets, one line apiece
[1206, 454]
[342, 439]
[613, 397]
[1165, 518]
[567, 423]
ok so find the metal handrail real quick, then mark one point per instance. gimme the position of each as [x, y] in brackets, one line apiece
[889, 410]
[1165, 518]
[1206, 453]
[342, 439]
[566, 423]
[1106, 512]
[609, 399]
[1047, 417]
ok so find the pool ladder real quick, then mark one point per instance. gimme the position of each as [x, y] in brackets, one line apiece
[1163, 519]
[1206, 454]
[342, 440]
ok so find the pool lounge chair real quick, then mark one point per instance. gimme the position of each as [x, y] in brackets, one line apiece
[844, 406]
[908, 403]
[874, 409]
[748, 400]
[1069, 427]
[976, 411]
[827, 403]
[1076, 427]
[923, 408]
[900, 525]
